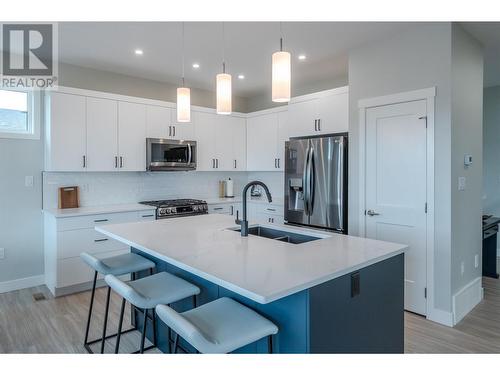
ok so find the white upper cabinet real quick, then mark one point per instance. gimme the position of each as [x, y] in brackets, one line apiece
[262, 142]
[158, 121]
[131, 136]
[102, 130]
[239, 143]
[282, 138]
[181, 130]
[221, 142]
[205, 140]
[325, 114]
[65, 132]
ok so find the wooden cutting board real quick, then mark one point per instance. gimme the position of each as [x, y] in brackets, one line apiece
[69, 197]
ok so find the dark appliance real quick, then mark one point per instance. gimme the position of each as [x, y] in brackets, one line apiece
[490, 231]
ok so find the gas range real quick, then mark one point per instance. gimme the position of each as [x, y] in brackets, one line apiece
[178, 207]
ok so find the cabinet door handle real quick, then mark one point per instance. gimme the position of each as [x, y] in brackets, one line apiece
[234, 163]
[275, 163]
[319, 124]
[218, 208]
[315, 125]
[84, 161]
[169, 131]
[278, 162]
[116, 161]
[232, 210]
[121, 161]
[100, 220]
[151, 215]
[174, 130]
[217, 163]
[271, 209]
[101, 240]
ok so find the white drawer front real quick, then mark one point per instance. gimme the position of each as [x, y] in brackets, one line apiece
[90, 221]
[270, 209]
[220, 208]
[71, 243]
[74, 271]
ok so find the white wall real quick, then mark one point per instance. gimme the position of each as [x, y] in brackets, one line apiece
[415, 59]
[467, 138]
[491, 152]
[20, 208]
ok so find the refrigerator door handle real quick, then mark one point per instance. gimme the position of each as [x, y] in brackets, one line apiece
[310, 198]
[305, 182]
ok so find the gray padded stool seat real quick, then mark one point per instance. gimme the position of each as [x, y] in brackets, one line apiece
[147, 293]
[116, 265]
[220, 326]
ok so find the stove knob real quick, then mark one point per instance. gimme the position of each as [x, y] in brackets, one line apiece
[162, 211]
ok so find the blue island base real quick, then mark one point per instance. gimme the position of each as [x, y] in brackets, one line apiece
[360, 312]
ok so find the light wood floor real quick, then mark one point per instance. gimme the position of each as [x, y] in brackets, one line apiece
[57, 325]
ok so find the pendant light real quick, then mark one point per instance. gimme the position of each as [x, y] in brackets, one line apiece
[281, 74]
[183, 94]
[223, 85]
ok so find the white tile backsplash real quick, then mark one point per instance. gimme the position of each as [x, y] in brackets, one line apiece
[98, 188]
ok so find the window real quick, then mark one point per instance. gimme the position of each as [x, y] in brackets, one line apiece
[17, 115]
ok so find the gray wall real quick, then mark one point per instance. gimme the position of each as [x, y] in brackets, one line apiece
[92, 79]
[415, 59]
[20, 208]
[467, 138]
[491, 151]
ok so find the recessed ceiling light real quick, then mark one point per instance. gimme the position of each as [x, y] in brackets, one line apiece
[196, 65]
[241, 76]
[302, 57]
[139, 52]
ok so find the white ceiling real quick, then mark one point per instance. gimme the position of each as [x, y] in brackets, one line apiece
[110, 46]
[488, 33]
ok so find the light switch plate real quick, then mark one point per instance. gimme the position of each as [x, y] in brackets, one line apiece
[476, 260]
[461, 183]
[28, 181]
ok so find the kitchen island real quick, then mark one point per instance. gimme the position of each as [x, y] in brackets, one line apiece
[336, 294]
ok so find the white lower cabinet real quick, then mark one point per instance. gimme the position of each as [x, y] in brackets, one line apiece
[268, 213]
[65, 238]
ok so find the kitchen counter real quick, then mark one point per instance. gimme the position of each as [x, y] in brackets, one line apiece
[96, 210]
[336, 294]
[260, 269]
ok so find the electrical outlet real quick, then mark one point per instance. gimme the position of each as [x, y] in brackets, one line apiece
[462, 268]
[2, 253]
[476, 260]
[461, 183]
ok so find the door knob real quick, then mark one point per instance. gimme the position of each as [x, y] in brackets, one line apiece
[372, 213]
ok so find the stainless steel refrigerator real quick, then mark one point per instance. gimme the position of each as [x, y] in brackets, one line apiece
[316, 182]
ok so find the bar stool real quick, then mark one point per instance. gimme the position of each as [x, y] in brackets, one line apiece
[220, 326]
[116, 265]
[146, 294]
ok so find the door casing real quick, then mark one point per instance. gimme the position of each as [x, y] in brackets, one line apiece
[427, 94]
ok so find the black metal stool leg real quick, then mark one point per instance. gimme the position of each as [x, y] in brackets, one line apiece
[143, 335]
[120, 323]
[153, 317]
[176, 342]
[270, 344]
[194, 301]
[105, 321]
[85, 341]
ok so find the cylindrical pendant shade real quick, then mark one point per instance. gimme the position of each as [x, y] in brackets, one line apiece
[183, 104]
[224, 106]
[281, 77]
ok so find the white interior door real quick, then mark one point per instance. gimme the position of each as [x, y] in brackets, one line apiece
[396, 188]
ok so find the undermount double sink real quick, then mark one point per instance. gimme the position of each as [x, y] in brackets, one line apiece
[278, 235]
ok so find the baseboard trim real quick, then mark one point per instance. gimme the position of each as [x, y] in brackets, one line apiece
[26, 282]
[440, 316]
[466, 299]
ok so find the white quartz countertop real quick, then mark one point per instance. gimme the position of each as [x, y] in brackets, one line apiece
[96, 210]
[261, 269]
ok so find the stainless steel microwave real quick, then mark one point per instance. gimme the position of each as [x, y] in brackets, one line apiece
[170, 155]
